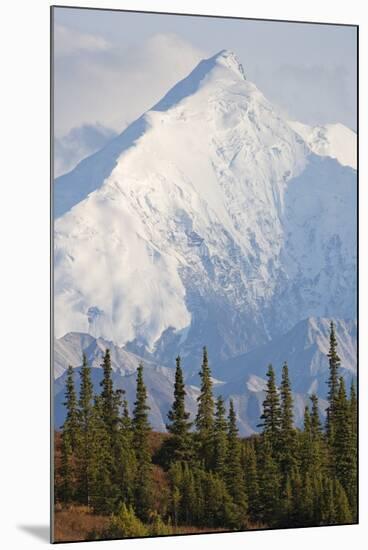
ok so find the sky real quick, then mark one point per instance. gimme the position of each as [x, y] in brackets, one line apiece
[110, 67]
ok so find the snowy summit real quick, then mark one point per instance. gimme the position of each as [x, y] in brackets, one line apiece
[210, 219]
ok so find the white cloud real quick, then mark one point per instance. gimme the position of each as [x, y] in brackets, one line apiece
[77, 144]
[98, 84]
[68, 41]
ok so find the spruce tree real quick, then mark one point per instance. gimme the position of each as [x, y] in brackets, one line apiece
[205, 414]
[220, 438]
[306, 444]
[102, 495]
[65, 490]
[353, 410]
[71, 423]
[342, 507]
[333, 382]
[234, 473]
[316, 428]
[328, 505]
[123, 463]
[251, 481]
[269, 484]
[343, 447]
[307, 423]
[188, 495]
[179, 425]
[108, 402]
[306, 502]
[85, 452]
[287, 438]
[352, 491]
[141, 431]
[271, 416]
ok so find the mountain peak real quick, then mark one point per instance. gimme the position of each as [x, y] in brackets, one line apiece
[228, 59]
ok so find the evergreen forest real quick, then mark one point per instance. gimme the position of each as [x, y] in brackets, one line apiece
[201, 476]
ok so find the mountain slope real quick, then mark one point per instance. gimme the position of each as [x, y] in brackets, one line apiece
[332, 140]
[158, 379]
[304, 347]
[208, 221]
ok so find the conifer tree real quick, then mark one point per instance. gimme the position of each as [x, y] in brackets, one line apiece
[141, 430]
[307, 423]
[176, 478]
[102, 493]
[108, 402]
[66, 489]
[126, 524]
[179, 425]
[71, 424]
[188, 495]
[306, 444]
[287, 441]
[328, 507]
[251, 481]
[333, 382]
[85, 451]
[344, 450]
[126, 420]
[269, 483]
[271, 416]
[353, 412]
[234, 473]
[342, 507]
[292, 501]
[220, 438]
[205, 414]
[316, 428]
[123, 464]
[312, 443]
[305, 499]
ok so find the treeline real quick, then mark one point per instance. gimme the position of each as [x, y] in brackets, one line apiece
[282, 477]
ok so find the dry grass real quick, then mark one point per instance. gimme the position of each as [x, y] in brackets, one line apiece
[77, 523]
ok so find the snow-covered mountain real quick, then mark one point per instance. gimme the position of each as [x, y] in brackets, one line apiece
[209, 220]
[331, 140]
[304, 347]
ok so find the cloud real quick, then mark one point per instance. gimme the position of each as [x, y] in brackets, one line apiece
[78, 144]
[313, 94]
[68, 42]
[98, 84]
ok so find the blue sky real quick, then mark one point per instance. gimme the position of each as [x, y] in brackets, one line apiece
[112, 66]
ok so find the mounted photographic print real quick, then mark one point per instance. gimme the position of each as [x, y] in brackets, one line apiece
[204, 274]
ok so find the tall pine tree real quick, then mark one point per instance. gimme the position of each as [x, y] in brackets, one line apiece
[344, 447]
[71, 424]
[287, 442]
[251, 481]
[234, 471]
[205, 414]
[271, 416]
[220, 438]
[269, 484]
[179, 424]
[333, 382]
[85, 451]
[141, 430]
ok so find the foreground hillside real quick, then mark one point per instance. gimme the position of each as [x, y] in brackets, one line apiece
[202, 475]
